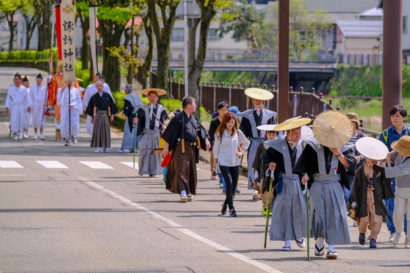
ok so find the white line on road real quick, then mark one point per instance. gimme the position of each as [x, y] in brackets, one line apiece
[10, 164]
[178, 227]
[52, 164]
[96, 164]
[130, 164]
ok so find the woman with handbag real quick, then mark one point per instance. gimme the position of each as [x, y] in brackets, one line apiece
[230, 144]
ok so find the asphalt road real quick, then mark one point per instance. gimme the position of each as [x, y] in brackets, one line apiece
[67, 209]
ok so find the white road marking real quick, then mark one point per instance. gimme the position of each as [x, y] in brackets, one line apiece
[178, 227]
[130, 164]
[12, 175]
[10, 164]
[96, 165]
[52, 164]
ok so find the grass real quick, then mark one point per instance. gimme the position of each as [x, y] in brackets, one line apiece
[370, 111]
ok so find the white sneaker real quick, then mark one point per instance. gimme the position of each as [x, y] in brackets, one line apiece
[121, 151]
[42, 137]
[98, 150]
[392, 236]
[127, 151]
[74, 140]
[25, 135]
[35, 136]
[396, 239]
[16, 138]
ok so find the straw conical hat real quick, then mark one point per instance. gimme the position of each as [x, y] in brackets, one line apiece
[292, 124]
[332, 129]
[372, 148]
[259, 94]
[267, 127]
[402, 146]
[160, 92]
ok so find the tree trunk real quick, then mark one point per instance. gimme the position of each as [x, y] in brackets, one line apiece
[193, 76]
[145, 68]
[44, 30]
[195, 69]
[30, 26]
[163, 37]
[12, 26]
[85, 50]
[111, 35]
[163, 56]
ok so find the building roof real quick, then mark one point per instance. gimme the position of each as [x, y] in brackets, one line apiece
[360, 28]
[374, 12]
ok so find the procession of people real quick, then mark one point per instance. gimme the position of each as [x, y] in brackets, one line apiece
[311, 175]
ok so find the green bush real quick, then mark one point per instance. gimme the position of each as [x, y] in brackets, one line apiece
[28, 55]
[364, 81]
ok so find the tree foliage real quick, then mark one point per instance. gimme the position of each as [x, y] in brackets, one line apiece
[260, 28]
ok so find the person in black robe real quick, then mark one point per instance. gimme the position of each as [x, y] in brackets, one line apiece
[370, 187]
[101, 108]
[184, 136]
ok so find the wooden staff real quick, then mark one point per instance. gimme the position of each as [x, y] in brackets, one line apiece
[272, 177]
[307, 222]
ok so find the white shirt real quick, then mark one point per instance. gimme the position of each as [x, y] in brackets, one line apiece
[225, 149]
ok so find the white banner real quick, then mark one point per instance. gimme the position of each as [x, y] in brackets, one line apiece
[67, 8]
[93, 16]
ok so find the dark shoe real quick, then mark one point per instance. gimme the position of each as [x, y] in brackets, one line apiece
[362, 238]
[232, 213]
[373, 243]
[223, 210]
[238, 191]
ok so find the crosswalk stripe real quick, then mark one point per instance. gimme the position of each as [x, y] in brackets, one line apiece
[130, 164]
[52, 164]
[10, 164]
[96, 165]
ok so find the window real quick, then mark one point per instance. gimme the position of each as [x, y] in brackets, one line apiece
[177, 34]
[213, 34]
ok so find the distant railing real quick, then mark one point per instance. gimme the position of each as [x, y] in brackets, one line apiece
[301, 103]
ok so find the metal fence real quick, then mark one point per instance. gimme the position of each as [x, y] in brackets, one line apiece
[301, 102]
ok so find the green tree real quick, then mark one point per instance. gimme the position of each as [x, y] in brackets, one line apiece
[113, 16]
[27, 10]
[42, 14]
[162, 17]
[9, 9]
[209, 8]
[83, 13]
[245, 22]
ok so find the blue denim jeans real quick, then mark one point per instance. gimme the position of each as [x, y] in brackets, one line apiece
[222, 180]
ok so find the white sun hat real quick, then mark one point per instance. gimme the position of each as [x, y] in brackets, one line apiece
[372, 148]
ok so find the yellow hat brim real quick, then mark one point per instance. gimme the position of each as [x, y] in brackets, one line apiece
[259, 94]
[160, 92]
[292, 124]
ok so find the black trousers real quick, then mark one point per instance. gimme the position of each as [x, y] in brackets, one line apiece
[230, 175]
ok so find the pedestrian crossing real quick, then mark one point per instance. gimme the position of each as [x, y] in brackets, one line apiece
[55, 164]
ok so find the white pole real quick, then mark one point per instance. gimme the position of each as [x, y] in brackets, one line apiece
[186, 45]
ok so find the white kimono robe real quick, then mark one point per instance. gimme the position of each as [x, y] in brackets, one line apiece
[38, 96]
[89, 92]
[18, 101]
[28, 115]
[76, 111]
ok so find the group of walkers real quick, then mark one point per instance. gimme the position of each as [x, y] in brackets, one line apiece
[331, 170]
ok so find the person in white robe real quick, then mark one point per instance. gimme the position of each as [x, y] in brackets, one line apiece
[89, 92]
[70, 102]
[26, 84]
[17, 104]
[38, 93]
